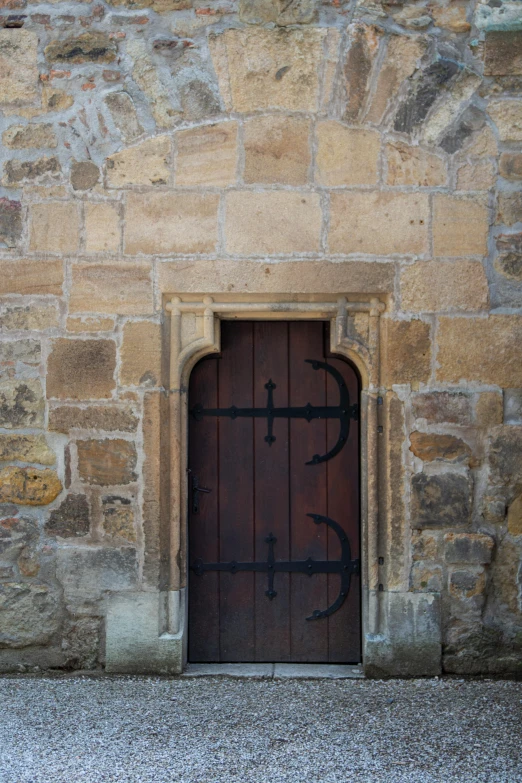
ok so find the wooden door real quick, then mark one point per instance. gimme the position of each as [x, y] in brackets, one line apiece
[262, 422]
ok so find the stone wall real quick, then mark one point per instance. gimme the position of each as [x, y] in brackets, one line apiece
[152, 146]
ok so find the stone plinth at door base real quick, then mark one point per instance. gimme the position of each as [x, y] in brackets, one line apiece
[138, 640]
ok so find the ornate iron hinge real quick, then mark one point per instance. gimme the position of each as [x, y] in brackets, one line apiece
[345, 567]
[344, 412]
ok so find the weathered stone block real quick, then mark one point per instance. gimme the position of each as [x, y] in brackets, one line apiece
[425, 545]
[171, 223]
[84, 174]
[122, 289]
[442, 500]
[450, 214]
[118, 518]
[402, 58]
[18, 67]
[102, 228]
[467, 583]
[10, 222]
[81, 369]
[207, 155]
[141, 354]
[21, 404]
[54, 227]
[123, 113]
[272, 222]
[147, 163]
[199, 99]
[473, 548]
[34, 317]
[472, 119]
[268, 69]
[409, 165]
[430, 446]
[379, 223]
[281, 12]
[31, 277]
[29, 486]
[153, 435]
[146, 77]
[346, 156]
[489, 409]
[435, 286]
[480, 349]
[513, 406]
[408, 352]
[26, 351]
[106, 462]
[503, 53]
[477, 175]
[505, 456]
[360, 59]
[426, 577]
[423, 93]
[509, 208]
[507, 116]
[19, 137]
[277, 150]
[510, 165]
[17, 534]
[514, 517]
[90, 323]
[87, 572]
[55, 99]
[509, 261]
[16, 172]
[451, 17]
[26, 448]
[81, 642]
[71, 519]
[107, 418]
[30, 613]
[443, 407]
[91, 47]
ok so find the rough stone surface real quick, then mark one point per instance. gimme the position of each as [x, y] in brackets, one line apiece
[102, 228]
[21, 404]
[510, 165]
[429, 446]
[26, 448]
[434, 286]
[509, 208]
[10, 222]
[71, 519]
[363, 50]
[280, 12]
[207, 155]
[29, 486]
[84, 175]
[346, 156]
[443, 407]
[145, 164]
[408, 352]
[123, 289]
[19, 137]
[402, 58]
[81, 369]
[30, 612]
[106, 462]
[17, 172]
[503, 53]
[507, 116]
[513, 406]
[408, 165]
[95, 47]
[475, 548]
[277, 150]
[449, 215]
[423, 93]
[18, 67]
[54, 228]
[95, 417]
[141, 354]
[124, 115]
[442, 500]
[118, 518]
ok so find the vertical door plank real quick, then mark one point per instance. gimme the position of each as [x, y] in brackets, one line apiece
[203, 526]
[271, 491]
[309, 639]
[236, 492]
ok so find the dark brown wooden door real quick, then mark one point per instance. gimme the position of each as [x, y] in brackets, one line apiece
[258, 489]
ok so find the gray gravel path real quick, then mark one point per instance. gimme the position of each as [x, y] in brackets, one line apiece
[137, 730]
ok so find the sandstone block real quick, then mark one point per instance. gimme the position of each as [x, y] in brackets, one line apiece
[489, 409]
[71, 519]
[277, 150]
[442, 500]
[54, 227]
[18, 537]
[473, 548]
[141, 354]
[18, 67]
[199, 99]
[84, 174]
[413, 17]
[509, 265]
[379, 223]
[426, 577]
[26, 351]
[507, 116]
[408, 352]
[402, 58]
[451, 17]
[510, 165]
[91, 323]
[153, 436]
[91, 47]
[87, 572]
[482, 144]
[33, 317]
[437, 286]
[160, 6]
[10, 221]
[443, 407]
[106, 462]
[207, 155]
[96, 417]
[467, 583]
[280, 12]
[425, 545]
[123, 113]
[430, 446]
[31, 277]
[171, 223]
[258, 68]
[272, 222]
[26, 448]
[19, 137]
[16, 172]
[470, 121]
[505, 457]
[102, 228]
[478, 175]
[360, 59]
[514, 517]
[147, 163]
[480, 349]
[503, 53]
[118, 518]
[422, 94]
[55, 99]
[146, 77]
[409, 165]
[509, 208]
[81, 369]
[30, 612]
[122, 289]
[450, 215]
[21, 404]
[513, 406]
[29, 486]
[346, 156]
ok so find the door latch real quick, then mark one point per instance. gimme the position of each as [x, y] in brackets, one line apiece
[196, 489]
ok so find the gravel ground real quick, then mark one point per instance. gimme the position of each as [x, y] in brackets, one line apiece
[213, 730]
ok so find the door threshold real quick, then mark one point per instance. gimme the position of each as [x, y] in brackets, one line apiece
[277, 671]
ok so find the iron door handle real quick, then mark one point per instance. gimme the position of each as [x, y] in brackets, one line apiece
[196, 489]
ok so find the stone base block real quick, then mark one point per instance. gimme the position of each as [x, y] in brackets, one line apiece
[409, 644]
[138, 641]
